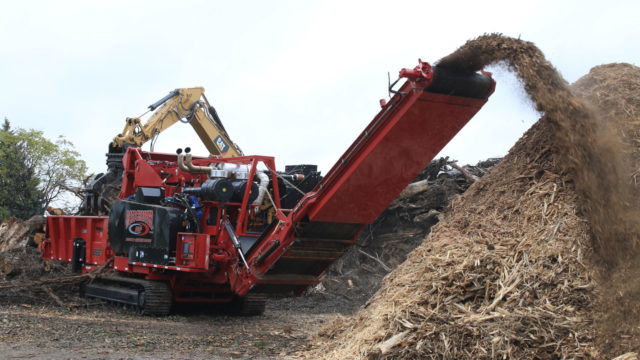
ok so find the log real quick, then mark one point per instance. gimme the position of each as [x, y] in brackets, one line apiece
[414, 189]
[16, 233]
[38, 237]
[55, 211]
[6, 267]
[467, 175]
[409, 191]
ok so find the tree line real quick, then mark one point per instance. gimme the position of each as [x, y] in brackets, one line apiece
[36, 172]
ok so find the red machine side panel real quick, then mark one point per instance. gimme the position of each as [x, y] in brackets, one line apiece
[63, 230]
[375, 173]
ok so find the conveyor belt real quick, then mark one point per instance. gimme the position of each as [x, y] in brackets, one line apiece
[316, 247]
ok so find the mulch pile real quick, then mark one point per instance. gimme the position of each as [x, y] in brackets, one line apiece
[353, 279]
[615, 90]
[527, 262]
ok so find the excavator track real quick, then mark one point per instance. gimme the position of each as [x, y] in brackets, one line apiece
[147, 297]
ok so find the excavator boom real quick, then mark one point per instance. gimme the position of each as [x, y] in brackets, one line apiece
[185, 105]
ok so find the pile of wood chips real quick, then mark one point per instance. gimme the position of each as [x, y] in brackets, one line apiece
[353, 279]
[512, 270]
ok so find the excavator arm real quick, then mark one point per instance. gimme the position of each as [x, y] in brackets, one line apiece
[188, 105]
[184, 105]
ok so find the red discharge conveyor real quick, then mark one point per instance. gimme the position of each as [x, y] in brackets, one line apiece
[406, 135]
[418, 121]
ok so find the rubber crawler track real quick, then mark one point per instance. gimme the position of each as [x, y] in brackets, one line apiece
[249, 305]
[156, 297]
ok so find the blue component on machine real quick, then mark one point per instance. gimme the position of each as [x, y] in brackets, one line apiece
[197, 208]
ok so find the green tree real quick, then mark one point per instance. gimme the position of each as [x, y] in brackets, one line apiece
[20, 195]
[56, 164]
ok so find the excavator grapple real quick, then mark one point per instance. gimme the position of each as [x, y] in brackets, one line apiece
[188, 229]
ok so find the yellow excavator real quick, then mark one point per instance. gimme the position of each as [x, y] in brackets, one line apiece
[188, 105]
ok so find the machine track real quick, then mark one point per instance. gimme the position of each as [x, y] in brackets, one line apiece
[156, 298]
[147, 297]
[249, 305]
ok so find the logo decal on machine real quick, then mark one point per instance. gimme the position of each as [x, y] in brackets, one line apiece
[139, 228]
[139, 224]
[221, 144]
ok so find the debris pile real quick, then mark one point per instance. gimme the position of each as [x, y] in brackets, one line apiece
[400, 229]
[509, 272]
[19, 258]
[17, 234]
[25, 278]
[353, 279]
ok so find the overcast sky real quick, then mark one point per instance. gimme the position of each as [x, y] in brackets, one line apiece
[297, 80]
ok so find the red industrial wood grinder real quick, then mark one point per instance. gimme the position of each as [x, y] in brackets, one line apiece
[190, 229]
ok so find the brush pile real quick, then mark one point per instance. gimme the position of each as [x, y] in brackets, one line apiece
[25, 278]
[19, 257]
[512, 269]
[18, 234]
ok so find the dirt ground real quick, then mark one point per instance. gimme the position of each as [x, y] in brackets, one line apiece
[107, 332]
[33, 326]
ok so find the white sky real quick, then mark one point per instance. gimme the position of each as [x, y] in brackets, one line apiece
[297, 80]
